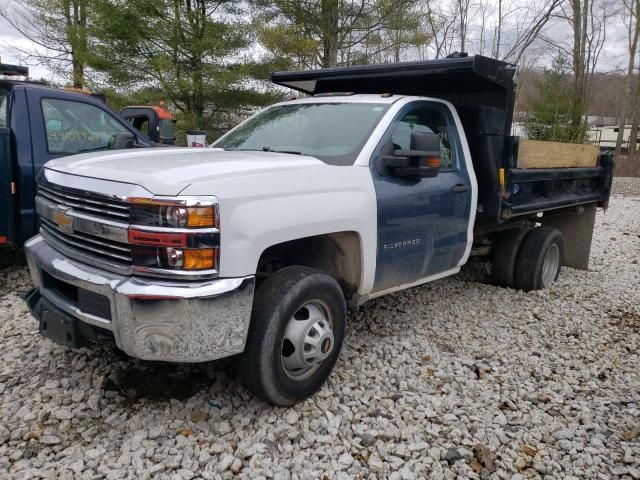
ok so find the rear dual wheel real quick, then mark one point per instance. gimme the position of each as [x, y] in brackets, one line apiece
[528, 259]
[296, 334]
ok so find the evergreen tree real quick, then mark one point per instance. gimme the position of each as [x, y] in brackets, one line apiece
[552, 116]
[192, 52]
[327, 33]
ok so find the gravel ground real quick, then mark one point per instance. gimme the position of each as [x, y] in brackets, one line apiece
[626, 186]
[456, 379]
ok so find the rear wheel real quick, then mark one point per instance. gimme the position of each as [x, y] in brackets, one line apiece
[504, 254]
[297, 329]
[539, 259]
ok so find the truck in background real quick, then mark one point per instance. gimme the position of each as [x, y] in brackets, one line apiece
[386, 177]
[155, 121]
[606, 136]
[38, 124]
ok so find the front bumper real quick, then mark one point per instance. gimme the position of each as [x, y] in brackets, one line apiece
[151, 319]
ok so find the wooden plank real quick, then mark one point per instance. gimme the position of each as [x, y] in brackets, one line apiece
[538, 154]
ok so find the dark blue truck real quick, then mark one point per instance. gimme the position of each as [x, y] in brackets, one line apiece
[38, 124]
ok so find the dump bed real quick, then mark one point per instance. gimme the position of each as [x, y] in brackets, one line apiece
[483, 92]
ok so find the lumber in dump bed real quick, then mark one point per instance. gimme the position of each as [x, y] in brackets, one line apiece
[511, 181]
[549, 175]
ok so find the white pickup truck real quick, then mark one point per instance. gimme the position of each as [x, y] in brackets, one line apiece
[388, 177]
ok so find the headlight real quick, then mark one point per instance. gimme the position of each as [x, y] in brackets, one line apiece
[172, 214]
[174, 234]
[175, 216]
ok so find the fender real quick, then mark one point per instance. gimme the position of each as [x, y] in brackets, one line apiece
[262, 210]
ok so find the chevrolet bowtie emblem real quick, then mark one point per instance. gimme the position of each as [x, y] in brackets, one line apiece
[64, 221]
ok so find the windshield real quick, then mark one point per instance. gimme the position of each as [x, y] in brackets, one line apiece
[332, 132]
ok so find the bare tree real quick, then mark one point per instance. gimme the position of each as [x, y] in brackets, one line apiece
[631, 18]
[463, 21]
[59, 30]
[509, 27]
[440, 26]
[530, 20]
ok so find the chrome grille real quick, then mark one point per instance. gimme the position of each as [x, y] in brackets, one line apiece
[93, 204]
[111, 251]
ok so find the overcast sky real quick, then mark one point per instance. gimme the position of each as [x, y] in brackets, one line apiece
[613, 56]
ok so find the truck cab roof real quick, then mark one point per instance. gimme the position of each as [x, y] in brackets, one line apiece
[11, 83]
[348, 97]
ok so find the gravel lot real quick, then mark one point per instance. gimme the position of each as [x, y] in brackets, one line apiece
[453, 379]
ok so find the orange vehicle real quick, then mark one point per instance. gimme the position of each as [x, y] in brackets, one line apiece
[155, 121]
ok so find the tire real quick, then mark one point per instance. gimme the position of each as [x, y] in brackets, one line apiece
[504, 254]
[539, 259]
[289, 302]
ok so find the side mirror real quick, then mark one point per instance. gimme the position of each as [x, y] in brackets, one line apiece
[123, 140]
[421, 160]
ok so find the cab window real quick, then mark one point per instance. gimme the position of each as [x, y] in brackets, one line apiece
[76, 127]
[4, 108]
[427, 119]
[140, 123]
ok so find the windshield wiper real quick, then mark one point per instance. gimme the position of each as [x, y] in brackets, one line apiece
[263, 149]
[269, 149]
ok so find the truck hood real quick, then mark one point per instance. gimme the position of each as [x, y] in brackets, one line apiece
[168, 171]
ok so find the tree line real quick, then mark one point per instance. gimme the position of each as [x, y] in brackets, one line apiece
[210, 59]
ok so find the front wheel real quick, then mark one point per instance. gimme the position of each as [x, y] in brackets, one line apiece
[296, 334]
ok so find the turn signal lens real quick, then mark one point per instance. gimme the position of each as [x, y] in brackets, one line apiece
[201, 217]
[432, 162]
[201, 259]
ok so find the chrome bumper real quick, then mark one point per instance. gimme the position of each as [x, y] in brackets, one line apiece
[152, 319]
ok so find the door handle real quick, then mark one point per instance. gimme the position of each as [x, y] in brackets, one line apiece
[461, 188]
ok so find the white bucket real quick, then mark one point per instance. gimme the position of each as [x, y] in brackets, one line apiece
[196, 138]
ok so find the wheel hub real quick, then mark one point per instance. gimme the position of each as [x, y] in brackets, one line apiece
[308, 340]
[550, 265]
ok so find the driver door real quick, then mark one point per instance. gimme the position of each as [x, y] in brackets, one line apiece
[64, 123]
[422, 222]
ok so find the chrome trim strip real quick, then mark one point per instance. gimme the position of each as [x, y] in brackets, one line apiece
[149, 228]
[186, 201]
[183, 274]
